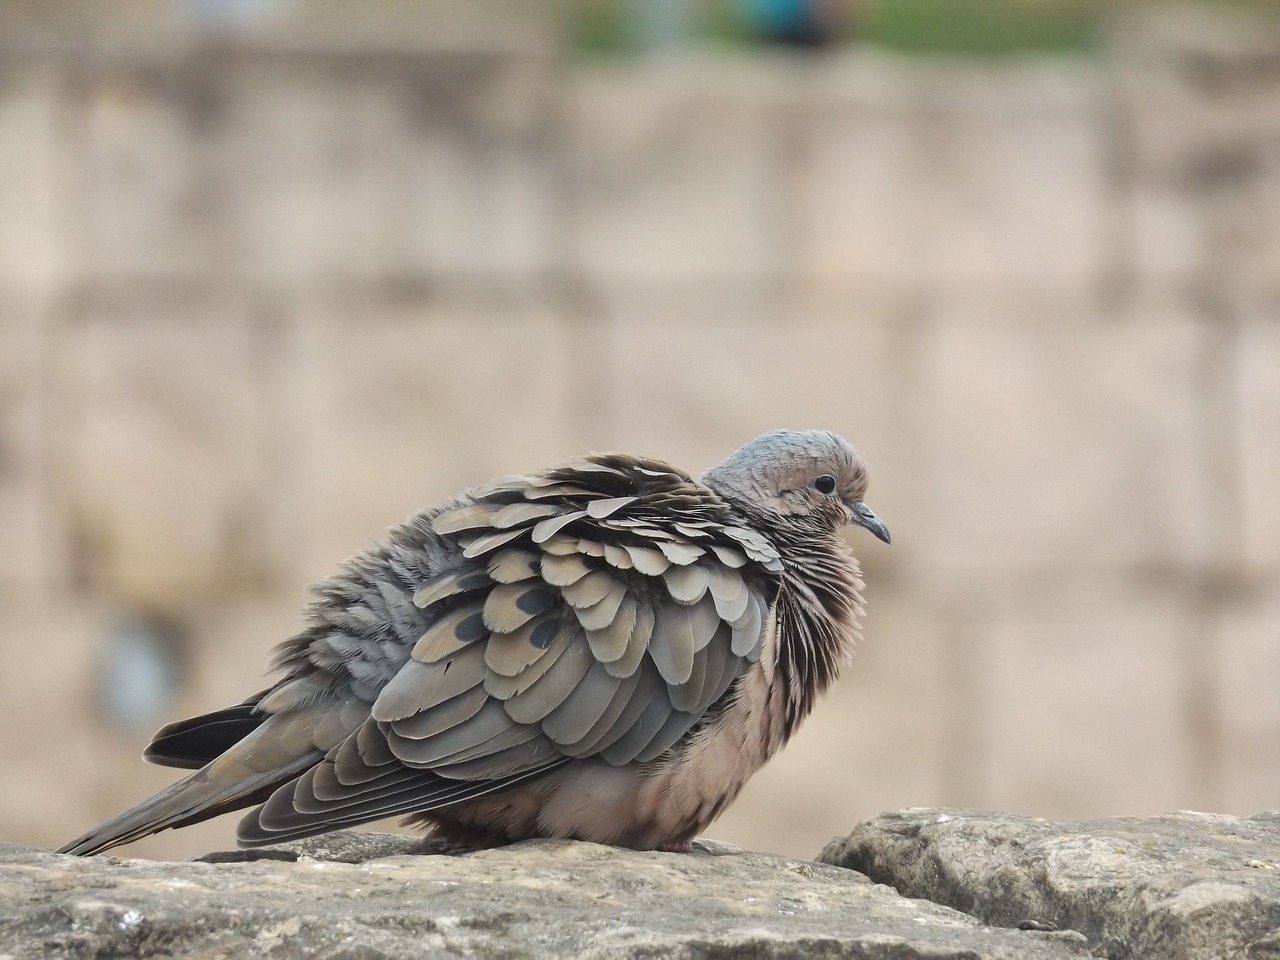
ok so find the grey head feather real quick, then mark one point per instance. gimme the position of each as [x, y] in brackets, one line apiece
[773, 477]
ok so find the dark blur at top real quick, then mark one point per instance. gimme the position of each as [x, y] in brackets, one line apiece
[624, 28]
[964, 27]
[806, 24]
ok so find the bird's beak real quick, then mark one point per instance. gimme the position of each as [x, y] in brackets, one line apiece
[863, 516]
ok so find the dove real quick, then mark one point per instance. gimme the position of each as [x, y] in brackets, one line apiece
[604, 651]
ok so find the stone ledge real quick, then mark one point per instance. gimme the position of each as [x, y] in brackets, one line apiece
[368, 895]
[1182, 886]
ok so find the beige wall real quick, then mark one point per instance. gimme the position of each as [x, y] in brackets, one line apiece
[260, 299]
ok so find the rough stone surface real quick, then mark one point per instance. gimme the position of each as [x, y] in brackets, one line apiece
[1182, 886]
[369, 895]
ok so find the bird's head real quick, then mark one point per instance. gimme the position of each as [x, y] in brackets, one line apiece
[811, 479]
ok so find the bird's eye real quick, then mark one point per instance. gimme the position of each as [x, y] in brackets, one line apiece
[825, 483]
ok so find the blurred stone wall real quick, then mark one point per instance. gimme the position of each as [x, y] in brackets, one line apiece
[261, 297]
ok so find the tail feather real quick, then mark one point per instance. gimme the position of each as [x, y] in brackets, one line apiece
[190, 744]
[280, 749]
[190, 800]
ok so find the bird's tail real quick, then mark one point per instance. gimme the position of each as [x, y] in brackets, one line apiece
[280, 749]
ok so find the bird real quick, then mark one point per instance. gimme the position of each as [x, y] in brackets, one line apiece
[605, 650]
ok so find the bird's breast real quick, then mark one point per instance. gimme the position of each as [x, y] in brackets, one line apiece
[695, 786]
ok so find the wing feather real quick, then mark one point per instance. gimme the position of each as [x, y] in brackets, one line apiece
[474, 517]
[520, 513]
[503, 684]
[435, 720]
[672, 643]
[637, 643]
[448, 585]
[589, 590]
[419, 686]
[561, 570]
[513, 565]
[536, 753]
[604, 611]
[539, 698]
[687, 584]
[579, 711]
[491, 541]
[634, 694]
[676, 726]
[450, 634]
[685, 696]
[609, 641]
[468, 732]
[647, 722]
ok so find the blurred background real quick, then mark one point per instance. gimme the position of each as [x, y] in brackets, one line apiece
[275, 273]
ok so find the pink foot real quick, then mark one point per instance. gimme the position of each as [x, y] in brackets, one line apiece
[675, 846]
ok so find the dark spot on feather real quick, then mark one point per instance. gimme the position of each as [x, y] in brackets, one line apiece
[474, 581]
[534, 600]
[544, 634]
[470, 629]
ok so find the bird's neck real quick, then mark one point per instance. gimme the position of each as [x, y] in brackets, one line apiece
[817, 612]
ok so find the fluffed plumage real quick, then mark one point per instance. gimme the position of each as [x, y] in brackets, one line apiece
[606, 650]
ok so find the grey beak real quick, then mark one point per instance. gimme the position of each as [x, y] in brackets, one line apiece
[863, 516]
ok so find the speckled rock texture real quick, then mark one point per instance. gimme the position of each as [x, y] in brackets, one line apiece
[370, 896]
[1184, 886]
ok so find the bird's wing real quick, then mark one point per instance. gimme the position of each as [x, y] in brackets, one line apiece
[598, 610]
